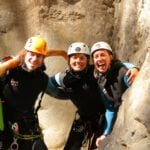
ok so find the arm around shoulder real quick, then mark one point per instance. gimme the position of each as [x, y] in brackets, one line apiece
[59, 52]
[131, 73]
[54, 89]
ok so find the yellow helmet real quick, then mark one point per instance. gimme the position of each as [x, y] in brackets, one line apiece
[37, 45]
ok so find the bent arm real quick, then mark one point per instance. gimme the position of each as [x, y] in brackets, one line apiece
[8, 65]
[54, 89]
[14, 62]
[131, 73]
[53, 52]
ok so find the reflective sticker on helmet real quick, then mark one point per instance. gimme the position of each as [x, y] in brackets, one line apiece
[98, 45]
[77, 49]
[30, 42]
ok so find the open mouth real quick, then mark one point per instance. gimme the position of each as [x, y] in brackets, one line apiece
[101, 65]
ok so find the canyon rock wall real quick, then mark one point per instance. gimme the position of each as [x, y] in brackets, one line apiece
[122, 23]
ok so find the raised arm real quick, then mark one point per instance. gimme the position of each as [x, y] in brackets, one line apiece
[15, 61]
[53, 52]
[8, 65]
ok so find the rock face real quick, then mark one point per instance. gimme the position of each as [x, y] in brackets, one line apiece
[131, 30]
[122, 23]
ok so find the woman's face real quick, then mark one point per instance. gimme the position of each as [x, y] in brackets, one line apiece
[33, 60]
[78, 62]
[102, 60]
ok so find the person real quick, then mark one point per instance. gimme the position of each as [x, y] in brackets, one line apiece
[78, 84]
[112, 80]
[22, 82]
[80, 87]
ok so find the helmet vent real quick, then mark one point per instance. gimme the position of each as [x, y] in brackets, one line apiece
[77, 49]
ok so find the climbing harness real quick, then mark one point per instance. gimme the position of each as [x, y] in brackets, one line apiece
[18, 136]
[15, 130]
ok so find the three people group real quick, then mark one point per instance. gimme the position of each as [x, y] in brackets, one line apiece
[95, 90]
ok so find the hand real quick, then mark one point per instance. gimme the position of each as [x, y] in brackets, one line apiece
[98, 142]
[100, 139]
[21, 56]
[132, 73]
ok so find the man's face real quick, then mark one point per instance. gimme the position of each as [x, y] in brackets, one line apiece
[33, 60]
[78, 62]
[102, 60]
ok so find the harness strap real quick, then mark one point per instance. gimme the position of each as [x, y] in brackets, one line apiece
[26, 137]
[15, 129]
[39, 103]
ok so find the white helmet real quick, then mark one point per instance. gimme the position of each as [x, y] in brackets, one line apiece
[78, 48]
[100, 45]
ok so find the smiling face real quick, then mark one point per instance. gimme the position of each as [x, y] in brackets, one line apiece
[33, 60]
[102, 59]
[78, 62]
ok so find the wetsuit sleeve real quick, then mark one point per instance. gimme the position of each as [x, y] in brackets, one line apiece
[129, 65]
[54, 88]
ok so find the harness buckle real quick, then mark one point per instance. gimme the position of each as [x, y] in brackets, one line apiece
[14, 145]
